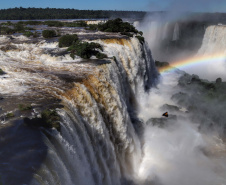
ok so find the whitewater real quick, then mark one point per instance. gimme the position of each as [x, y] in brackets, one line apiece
[106, 135]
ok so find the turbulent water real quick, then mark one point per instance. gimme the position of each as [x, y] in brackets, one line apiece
[106, 136]
[98, 142]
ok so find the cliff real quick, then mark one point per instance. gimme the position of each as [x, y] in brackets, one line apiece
[99, 129]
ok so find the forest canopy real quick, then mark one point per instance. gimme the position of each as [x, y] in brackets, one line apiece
[56, 13]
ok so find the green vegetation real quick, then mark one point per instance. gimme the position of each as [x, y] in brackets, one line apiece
[93, 27]
[35, 34]
[127, 34]
[101, 55]
[18, 27]
[86, 50]
[83, 49]
[23, 107]
[140, 32]
[67, 40]
[54, 23]
[54, 13]
[48, 33]
[6, 30]
[1, 72]
[8, 23]
[33, 22]
[51, 118]
[28, 33]
[140, 38]
[117, 25]
[9, 115]
[10, 28]
[75, 24]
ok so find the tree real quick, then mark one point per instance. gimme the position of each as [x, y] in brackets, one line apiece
[48, 33]
[67, 40]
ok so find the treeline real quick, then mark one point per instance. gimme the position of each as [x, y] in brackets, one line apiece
[56, 13]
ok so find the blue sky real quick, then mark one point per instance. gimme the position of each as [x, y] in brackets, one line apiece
[79, 4]
[145, 5]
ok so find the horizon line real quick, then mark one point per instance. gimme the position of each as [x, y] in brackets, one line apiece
[162, 11]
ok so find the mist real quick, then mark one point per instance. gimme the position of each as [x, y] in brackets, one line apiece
[187, 5]
[179, 35]
[178, 152]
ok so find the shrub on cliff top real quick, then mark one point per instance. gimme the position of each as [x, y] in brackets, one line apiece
[28, 33]
[117, 25]
[75, 24]
[23, 107]
[49, 119]
[1, 72]
[54, 23]
[48, 33]
[67, 40]
[140, 38]
[86, 50]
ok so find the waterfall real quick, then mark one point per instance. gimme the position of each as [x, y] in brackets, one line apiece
[98, 133]
[214, 41]
[99, 138]
[176, 32]
[213, 46]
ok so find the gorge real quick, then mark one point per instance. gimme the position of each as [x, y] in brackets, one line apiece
[110, 129]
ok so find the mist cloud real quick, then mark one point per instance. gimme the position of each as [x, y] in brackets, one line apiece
[173, 155]
[188, 5]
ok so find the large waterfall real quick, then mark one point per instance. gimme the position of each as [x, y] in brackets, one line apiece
[214, 41]
[111, 127]
[99, 138]
[213, 49]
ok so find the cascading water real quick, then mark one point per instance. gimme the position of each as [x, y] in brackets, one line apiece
[99, 138]
[107, 134]
[176, 32]
[213, 46]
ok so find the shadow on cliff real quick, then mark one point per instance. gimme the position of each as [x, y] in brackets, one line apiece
[22, 153]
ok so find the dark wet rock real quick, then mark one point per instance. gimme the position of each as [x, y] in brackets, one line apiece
[181, 98]
[2, 72]
[171, 108]
[162, 122]
[56, 52]
[161, 64]
[189, 80]
[23, 151]
[23, 107]
[184, 80]
[8, 47]
[49, 119]
[138, 125]
[195, 78]
[10, 115]
[40, 122]
[1, 98]
[218, 81]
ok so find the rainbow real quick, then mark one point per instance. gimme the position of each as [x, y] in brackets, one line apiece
[192, 61]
